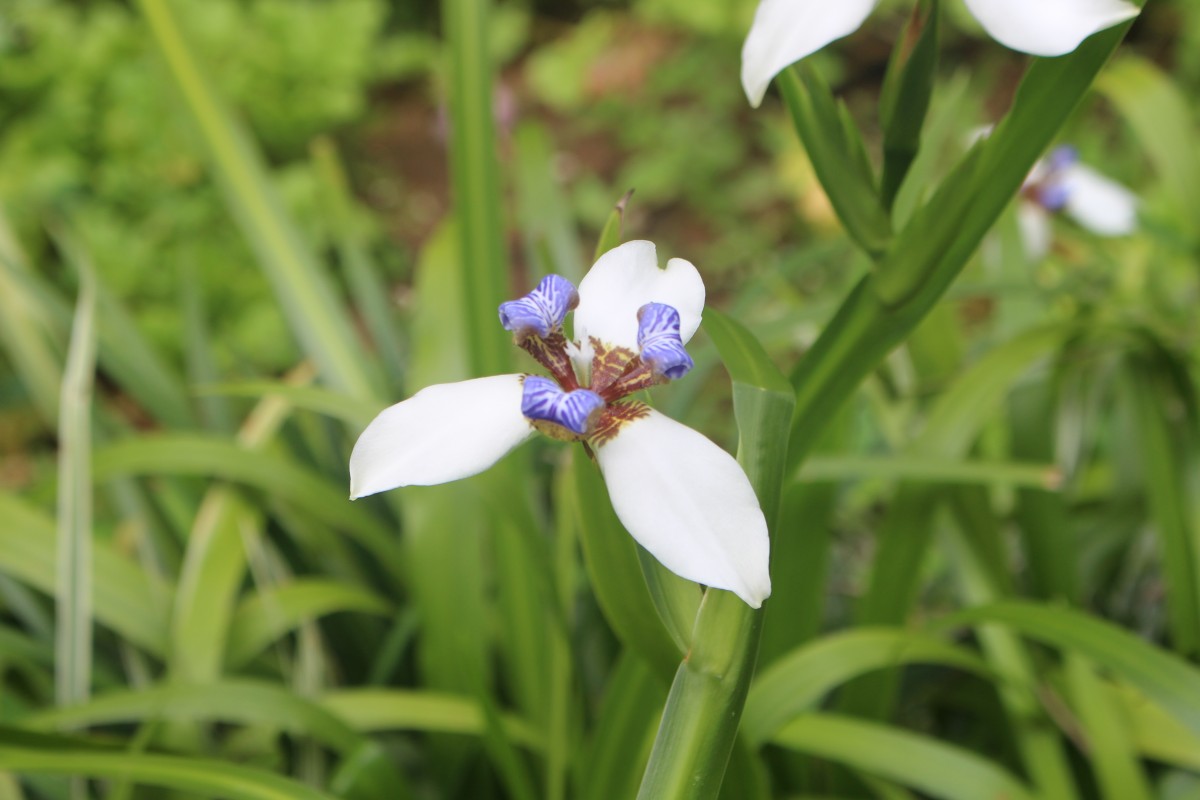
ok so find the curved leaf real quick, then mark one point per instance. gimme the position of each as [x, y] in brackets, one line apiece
[928, 765]
[239, 702]
[796, 682]
[213, 457]
[370, 710]
[126, 599]
[271, 613]
[211, 778]
[1160, 675]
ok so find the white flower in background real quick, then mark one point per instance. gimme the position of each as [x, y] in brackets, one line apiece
[683, 498]
[785, 31]
[1059, 183]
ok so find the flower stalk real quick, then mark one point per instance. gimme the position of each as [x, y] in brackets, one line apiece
[700, 720]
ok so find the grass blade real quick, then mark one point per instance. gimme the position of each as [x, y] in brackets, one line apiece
[1165, 468]
[932, 767]
[933, 469]
[797, 682]
[23, 332]
[211, 778]
[270, 613]
[1163, 677]
[475, 177]
[208, 456]
[1110, 746]
[75, 572]
[126, 599]
[231, 702]
[371, 710]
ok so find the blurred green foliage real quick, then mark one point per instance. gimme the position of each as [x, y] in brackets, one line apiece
[1034, 443]
[93, 131]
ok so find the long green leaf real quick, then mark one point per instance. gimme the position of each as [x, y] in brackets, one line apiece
[980, 547]
[367, 287]
[301, 285]
[797, 682]
[126, 599]
[73, 587]
[904, 98]
[1161, 676]
[624, 731]
[932, 767]
[370, 710]
[233, 702]
[310, 398]
[475, 175]
[930, 468]
[1110, 746]
[213, 778]
[1165, 467]
[23, 330]
[270, 613]
[836, 152]
[215, 562]
[198, 454]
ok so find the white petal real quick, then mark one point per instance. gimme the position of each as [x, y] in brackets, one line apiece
[440, 434]
[690, 504]
[1034, 224]
[785, 31]
[1048, 27]
[625, 279]
[1097, 203]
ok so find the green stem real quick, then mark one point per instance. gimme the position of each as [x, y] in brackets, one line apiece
[701, 717]
[700, 720]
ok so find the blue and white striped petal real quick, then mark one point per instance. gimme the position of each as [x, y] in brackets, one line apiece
[660, 343]
[542, 310]
[543, 399]
[623, 280]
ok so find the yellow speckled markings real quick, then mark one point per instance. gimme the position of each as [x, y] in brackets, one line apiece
[614, 417]
[608, 363]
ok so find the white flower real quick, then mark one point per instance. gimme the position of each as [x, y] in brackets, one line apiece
[785, 31]
[684, 499]
[1060, 183]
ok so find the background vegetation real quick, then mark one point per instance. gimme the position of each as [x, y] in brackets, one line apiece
[232, 230]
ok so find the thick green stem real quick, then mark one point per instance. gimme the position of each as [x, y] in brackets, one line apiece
[700, 720]
[701, 717]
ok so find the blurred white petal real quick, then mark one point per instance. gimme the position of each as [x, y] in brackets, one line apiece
[1099, 204]
[1048, 27]
[625, 279]
[785, 31]
[690, 504]
[1034, 224]
[440, 434]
